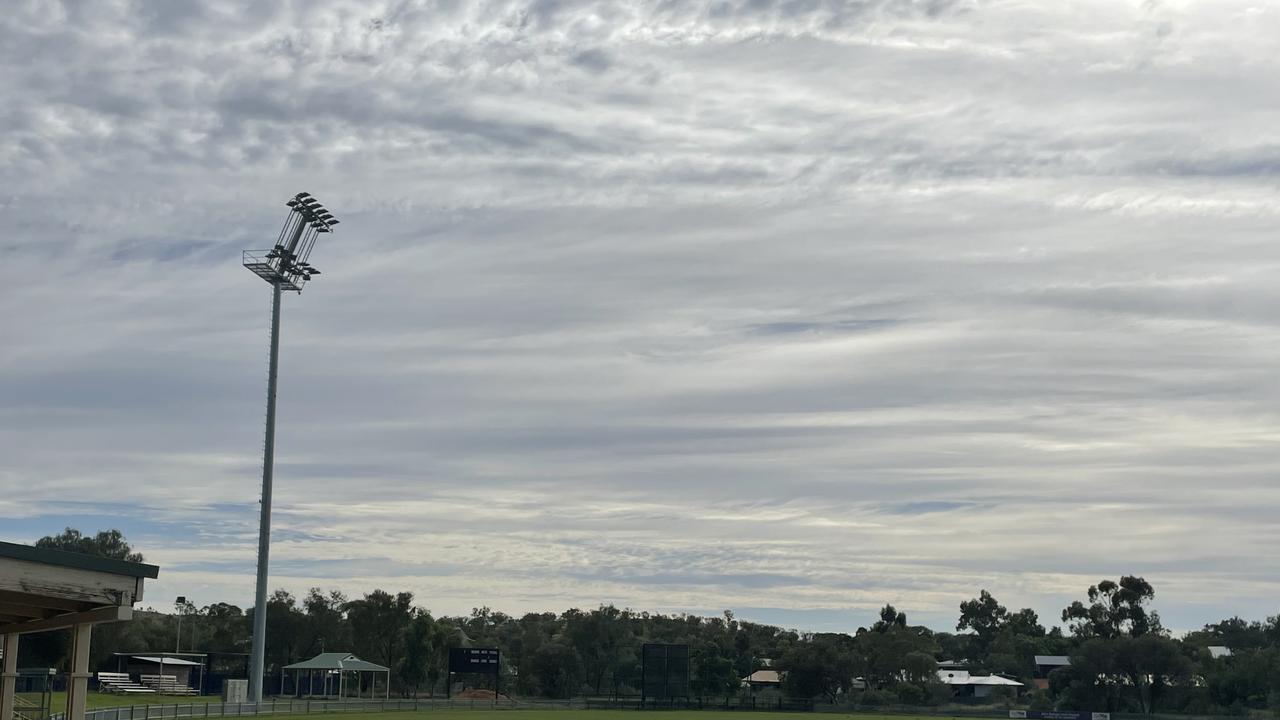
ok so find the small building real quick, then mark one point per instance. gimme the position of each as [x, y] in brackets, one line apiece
[1219, 651]
[181, 669]
[762, 680]
[967, 685]
[1046, 664]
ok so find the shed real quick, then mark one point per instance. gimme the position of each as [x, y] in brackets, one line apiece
[1046, 664]
[174, 664]
[43, 589]
[337, 664]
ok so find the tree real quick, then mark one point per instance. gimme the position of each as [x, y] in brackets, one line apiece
[420, 639]
[226, 629]
[599, 637]
[1150, 664]
[824, 666]
[1024, 622]
[1091, 680]
[983, 615]
[325, 626]
[284, 625]
[713, 673]
[106, 544]
[1114, 609]
[884, 652]
[890, 618]
[378, 621]
[919, 667]
[556, 667]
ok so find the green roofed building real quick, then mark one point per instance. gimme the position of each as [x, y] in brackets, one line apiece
[43, 589]
[333, 669]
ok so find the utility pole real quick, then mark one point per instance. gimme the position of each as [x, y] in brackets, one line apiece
[284, 267]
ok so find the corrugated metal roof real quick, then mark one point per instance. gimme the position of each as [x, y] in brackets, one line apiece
[336, 661]
[763, 676]
[1217, 651]
[167, 661]
[979, 680]
[77, 560]
[1053, 660]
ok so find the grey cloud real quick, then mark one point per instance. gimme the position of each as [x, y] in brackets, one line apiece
[776, 280]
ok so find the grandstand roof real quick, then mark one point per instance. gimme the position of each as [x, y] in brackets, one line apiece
[336, 661]
[62, 558]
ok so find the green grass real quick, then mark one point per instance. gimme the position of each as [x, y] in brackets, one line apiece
[100, 700]
[574, 714]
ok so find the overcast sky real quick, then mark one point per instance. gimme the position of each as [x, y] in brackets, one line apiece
[794, 307]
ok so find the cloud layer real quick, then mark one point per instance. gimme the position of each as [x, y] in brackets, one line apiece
[795, 306]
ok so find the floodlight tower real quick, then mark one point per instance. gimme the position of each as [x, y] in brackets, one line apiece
[284, 267]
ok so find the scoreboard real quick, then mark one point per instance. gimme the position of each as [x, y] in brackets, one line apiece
[473, 660]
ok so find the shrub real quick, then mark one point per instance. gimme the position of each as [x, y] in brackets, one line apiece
[909, 694]
[874, 698]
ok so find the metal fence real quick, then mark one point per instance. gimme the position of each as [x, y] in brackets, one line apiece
[200, 711]
[190, 711]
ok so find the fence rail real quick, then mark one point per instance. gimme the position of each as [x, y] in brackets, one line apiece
[200, 711]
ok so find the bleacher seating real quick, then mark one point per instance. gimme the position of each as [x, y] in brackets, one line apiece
[24, 709]
[121, 683]
[167, 685]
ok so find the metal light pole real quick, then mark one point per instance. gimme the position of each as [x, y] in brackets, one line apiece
[180, 605]
[284, 267]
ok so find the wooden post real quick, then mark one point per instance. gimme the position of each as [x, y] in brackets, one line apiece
[9, 677]
[78, 682]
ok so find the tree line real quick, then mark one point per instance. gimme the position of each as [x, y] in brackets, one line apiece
[1121, 656]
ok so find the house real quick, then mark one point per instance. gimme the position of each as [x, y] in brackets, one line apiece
[967, 685]
[762, 680]
[1219, 651]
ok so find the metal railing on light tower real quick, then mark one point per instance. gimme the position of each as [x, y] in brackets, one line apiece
[284, 267]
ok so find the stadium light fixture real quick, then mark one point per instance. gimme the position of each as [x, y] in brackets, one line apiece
[284, 267]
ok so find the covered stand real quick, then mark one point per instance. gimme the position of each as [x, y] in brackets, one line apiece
[328, 664]
[42, 589]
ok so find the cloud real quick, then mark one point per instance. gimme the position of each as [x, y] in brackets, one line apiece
[793, 307]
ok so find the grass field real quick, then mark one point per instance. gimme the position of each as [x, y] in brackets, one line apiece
[100, 700]
[598, 715]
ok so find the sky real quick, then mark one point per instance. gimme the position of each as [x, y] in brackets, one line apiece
[790, 307]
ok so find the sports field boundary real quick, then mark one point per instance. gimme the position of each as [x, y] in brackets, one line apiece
[204, 711]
